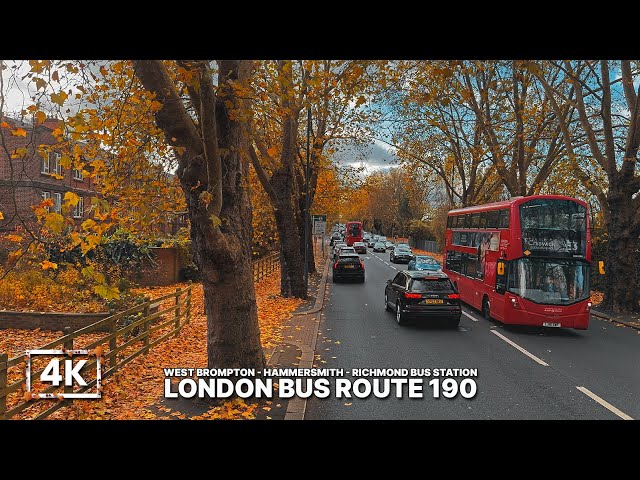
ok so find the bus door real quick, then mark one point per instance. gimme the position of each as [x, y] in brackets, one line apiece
[499, 268]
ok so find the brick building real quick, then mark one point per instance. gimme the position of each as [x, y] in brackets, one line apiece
[31, 177]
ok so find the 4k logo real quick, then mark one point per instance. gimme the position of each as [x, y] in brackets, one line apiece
[72, 376]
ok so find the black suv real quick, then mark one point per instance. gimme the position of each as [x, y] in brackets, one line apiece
[423, 294]
[348, 265]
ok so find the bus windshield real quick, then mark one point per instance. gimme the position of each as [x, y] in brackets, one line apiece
[553, 227]
[354, 230]
[552, 282]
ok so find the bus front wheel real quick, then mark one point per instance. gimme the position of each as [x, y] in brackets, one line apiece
[486, 308]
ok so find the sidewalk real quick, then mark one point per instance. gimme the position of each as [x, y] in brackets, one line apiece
[631, 320]
[300, 334]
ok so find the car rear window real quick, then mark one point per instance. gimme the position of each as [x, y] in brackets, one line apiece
[348, 260]
[423, 285]
[427, 261]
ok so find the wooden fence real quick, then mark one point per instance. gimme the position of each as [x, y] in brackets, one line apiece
[131, 334]
[265, 266]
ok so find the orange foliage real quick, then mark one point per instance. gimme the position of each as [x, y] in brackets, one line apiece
[134, 392]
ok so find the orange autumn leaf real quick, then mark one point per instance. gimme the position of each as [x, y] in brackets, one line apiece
[47, 265]
[19, 132]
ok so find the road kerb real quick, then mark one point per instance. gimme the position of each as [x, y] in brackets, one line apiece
[604, 316]
[296, 407]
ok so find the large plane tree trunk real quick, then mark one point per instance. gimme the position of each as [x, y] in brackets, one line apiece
[213, 177]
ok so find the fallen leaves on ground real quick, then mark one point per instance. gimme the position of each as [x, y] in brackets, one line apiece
[134, 392]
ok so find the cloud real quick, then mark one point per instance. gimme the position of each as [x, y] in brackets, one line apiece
[370, 157]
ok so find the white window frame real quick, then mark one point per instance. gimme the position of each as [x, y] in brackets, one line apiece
[46, 164]
[77, 174]
[57, 166]
[46, 196]
[78, 210]
[57, 202]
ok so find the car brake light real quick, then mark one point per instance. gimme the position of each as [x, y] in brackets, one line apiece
[412, 295]
[514, 303]
[453, 295]
[362, 264]
[335, 265]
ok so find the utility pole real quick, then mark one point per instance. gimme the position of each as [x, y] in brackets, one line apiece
[307, 219]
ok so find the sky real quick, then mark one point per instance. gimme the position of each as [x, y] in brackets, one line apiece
[370, 158]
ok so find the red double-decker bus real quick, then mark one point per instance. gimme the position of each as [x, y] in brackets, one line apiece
[354, 232]
[523, 261]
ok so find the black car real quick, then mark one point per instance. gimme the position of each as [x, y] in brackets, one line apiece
[400, 254]
[421, 294]
[350, 266]
[379, 247]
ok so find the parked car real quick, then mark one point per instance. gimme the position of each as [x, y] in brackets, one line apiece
[400, 254]
[388, 245]
[424, 262]
[360, 247]
[423, 295]
[379, 247]
[348, 266]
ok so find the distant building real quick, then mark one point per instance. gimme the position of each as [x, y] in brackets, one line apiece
[30, 178]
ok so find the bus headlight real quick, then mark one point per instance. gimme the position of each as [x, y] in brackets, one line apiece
[514, 303]
[589, 304]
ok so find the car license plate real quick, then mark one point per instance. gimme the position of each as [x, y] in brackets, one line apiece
[349, 266]
[433, 301]
[551, 324]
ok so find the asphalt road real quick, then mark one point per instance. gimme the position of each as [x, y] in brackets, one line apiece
[541, 374]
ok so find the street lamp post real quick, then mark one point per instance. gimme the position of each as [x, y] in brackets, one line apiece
[306, 205]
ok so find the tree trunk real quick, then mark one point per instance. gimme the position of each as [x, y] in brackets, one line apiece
[221, 230]
[233, 338]
[291, 238]
[621, 291]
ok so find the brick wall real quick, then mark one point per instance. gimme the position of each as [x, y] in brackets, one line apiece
[166, 271]
[54, 321]
[22, 177]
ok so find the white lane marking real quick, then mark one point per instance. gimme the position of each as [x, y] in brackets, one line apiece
[392, 267]
[470, 316]
[518, 347]
[604, 403]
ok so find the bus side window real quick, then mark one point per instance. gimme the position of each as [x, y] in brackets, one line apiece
[501, 276]
[492, 219]
[483, 219]
[504, 219]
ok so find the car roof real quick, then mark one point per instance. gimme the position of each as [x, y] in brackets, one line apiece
[422, 274]
[348, 255]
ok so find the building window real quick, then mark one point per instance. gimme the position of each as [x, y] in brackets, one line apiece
[51, 164]
[45, 164]
[58, 166]
[78, 210]
[46, 196]
[57, 202]
[77, 174]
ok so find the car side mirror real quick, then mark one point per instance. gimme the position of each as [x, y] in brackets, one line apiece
[388, 282]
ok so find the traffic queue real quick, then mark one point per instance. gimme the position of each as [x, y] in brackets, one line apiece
[422, 291]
